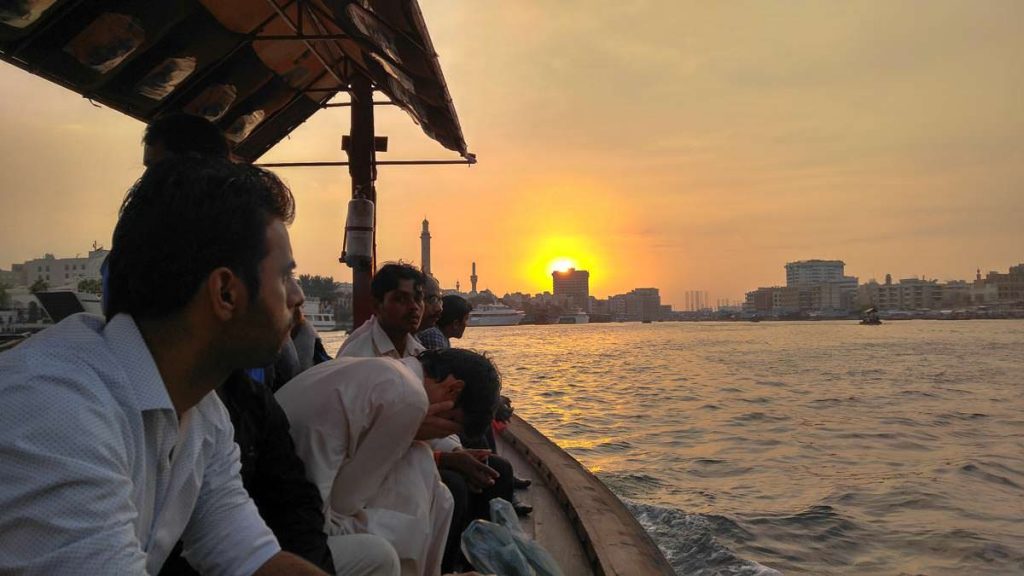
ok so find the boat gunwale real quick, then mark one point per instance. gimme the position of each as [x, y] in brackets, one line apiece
[614, 541]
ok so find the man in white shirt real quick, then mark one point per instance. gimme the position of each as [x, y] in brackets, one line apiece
[358, 424]
[397, 308]
[112, 446]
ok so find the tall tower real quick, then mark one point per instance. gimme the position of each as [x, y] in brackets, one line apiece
[425, 248]
[575, 284]
[472, 279]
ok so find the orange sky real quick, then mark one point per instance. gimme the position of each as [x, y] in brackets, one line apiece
[682, 145]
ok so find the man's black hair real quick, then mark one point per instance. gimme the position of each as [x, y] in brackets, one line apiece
[455, 308]
[182, 134]
[184, 218]
[479, 397]
[387, 278]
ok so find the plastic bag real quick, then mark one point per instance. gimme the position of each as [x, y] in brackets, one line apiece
[492, 549]
[504, 514]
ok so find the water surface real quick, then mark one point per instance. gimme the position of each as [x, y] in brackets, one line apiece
[804, 447]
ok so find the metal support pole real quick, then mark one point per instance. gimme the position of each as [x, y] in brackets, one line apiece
[378, 163]
[361, 168]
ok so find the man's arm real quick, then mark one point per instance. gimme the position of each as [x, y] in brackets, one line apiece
[225, 534]
[66, 481]
[286, 499]
[396, 412]
[286, 564]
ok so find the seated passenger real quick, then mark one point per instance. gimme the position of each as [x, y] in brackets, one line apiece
[450, 323]
[397, 307]
[427, 333]
[271, 472]
[112, 446]
[357, 423]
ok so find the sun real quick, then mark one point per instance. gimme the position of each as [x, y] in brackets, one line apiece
[561, 265]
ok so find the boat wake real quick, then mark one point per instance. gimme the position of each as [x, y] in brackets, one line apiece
[689, 544]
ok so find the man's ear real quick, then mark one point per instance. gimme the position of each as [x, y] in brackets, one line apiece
[455, 387]
[227, 293]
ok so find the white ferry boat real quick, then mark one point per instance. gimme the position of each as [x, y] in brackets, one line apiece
[577, 317]
[495, 315]
[318, 317]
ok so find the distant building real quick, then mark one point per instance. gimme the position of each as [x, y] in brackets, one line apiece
[822, 285]
[907, 294]
[810, 272]
[575, 284]
[617, 306]
[60, 272]
[643, 304]
[472, 280]
[773, 301]
[1010, 286]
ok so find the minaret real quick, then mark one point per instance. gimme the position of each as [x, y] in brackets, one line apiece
[425, 248]
[472, 279]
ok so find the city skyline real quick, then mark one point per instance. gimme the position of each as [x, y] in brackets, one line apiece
[884, 135]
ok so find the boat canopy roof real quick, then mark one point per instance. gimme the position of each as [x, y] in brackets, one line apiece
[257, 68]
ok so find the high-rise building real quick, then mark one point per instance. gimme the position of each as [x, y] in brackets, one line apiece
[574, 284]
[822, 284]
[810, 272]
[425, 247]
[643, 304]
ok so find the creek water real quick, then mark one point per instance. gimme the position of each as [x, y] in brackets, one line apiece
[797, 447]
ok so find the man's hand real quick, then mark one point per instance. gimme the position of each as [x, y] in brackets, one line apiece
[447, 389]
[471, 465]
[439, 422]
[504, 410]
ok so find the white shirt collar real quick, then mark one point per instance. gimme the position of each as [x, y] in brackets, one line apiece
[131, 352]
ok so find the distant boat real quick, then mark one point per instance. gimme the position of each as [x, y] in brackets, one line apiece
[322, 320]
[574, 318]
[870, 317]
[495, 315]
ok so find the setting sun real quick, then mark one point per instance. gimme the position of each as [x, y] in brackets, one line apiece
[561, 265]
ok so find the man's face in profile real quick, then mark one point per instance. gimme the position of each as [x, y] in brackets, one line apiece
[432, 304]
[265, 324]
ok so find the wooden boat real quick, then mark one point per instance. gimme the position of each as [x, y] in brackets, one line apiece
[260, 68]
[575, 517]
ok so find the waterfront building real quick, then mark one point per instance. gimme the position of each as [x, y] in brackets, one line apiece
[8, 277]
[772, 301]
[60, 272]
[643, 304]
[1009, 287]
[472, 280]
[617, 306]
[822, 284]
[425, 248]
[810, 272]
[907, 294]
[575, 284]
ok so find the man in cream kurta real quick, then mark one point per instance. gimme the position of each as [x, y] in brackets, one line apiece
[354, 422]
